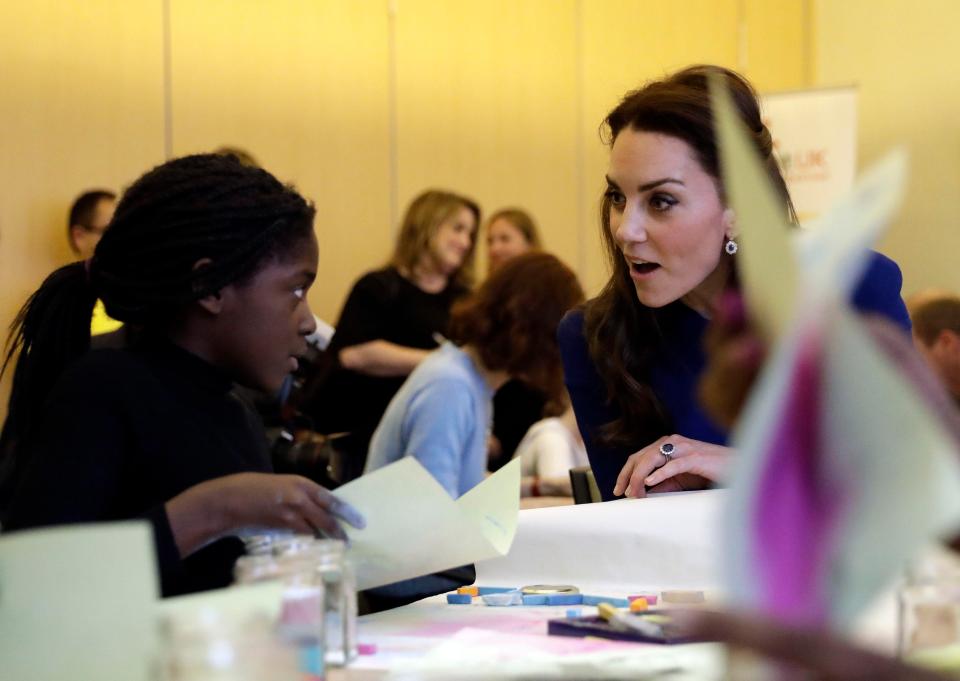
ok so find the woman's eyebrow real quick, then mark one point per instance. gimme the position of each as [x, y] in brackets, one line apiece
[656, 183]
[646, 186]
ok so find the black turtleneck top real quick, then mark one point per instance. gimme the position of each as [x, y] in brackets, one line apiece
[126, 430]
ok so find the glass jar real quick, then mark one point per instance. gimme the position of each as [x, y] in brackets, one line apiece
[929, 611]
[329, 560]
[303, 612]
[204, 645]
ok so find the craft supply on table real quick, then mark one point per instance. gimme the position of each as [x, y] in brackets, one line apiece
[650, 596]
[504, 598]
[646, 627]
[547, 589]
[597, 600]
[683, 597]
[546, 594]
[486, 590]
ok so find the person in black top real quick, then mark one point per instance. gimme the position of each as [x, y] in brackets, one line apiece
[211, 262]
[393, 318]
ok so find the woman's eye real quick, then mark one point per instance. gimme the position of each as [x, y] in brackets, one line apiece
[615, 197]
[299, 293]
[662, 202]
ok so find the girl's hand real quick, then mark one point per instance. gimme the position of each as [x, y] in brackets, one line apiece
[219, 506]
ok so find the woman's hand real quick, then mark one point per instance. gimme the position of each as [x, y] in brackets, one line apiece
[693, 465]
[221, 505]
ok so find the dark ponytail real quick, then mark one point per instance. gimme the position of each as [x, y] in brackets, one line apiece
[207, 207]
[50, 331]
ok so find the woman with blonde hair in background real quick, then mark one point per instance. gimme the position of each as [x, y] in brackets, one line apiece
[392, 319]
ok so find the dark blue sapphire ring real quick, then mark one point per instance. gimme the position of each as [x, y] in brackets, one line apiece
[667, 450]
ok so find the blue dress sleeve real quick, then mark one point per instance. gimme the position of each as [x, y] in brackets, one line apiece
[879, 291]
[589, 398]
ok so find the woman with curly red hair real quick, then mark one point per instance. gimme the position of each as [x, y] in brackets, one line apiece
[441, 415]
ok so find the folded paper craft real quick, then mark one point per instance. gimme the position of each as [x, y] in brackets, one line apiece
[842, 472]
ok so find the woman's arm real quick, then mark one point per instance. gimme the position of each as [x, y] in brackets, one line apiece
[588, 397]
[381, 358]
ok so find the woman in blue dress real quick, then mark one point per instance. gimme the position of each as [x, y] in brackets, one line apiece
[633, 355]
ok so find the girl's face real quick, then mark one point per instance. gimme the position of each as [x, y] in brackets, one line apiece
[266, 319]
[504, 241]
[452, 242]
[667, 220]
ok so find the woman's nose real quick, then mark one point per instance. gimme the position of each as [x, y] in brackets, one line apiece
[631, 227]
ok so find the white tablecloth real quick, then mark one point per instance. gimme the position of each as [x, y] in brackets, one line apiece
[664, 541]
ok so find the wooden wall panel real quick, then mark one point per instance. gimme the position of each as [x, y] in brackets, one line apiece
[303, 87]
[902, 56]
[81, 107]
[487, 106]
[362, 104]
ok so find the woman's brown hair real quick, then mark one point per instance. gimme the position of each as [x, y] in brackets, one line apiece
[622, 333]
[512, 319]
[420, 223]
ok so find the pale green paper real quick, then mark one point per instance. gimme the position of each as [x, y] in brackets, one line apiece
[908, 467]
[78, 602]
[414, 528]
[766, 262]
[878, 435]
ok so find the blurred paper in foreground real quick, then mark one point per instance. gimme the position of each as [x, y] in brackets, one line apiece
[414, 528]
[843, 472]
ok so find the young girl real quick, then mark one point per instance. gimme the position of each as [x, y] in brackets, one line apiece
[441, 415]
[210, 260]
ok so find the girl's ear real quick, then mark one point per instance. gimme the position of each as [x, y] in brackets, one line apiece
[212, 302]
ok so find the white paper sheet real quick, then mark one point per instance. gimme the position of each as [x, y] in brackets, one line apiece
[664, 541]
[414, 528]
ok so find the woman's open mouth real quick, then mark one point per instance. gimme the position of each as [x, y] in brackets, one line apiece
[640, 270]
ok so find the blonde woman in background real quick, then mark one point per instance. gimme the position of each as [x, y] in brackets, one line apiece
[393, 318]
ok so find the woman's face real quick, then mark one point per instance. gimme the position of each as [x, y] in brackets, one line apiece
[667, 219]
[504, 241]
[452, 241]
